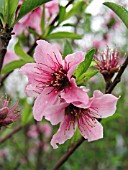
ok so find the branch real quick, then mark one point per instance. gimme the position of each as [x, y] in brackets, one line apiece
[118, 77]
[68, 154]
[5, 36]
[10, 134]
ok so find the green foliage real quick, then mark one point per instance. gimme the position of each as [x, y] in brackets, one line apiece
[59, 35]
[19, 51]
[42, 24]
[32, 31]
[77, 7]
[85, 77]
[83, 67]
[28, 6]
[1, 6]
[9, 11]
[67, 49]
[26, 114]
[12, 65]
[62, 13]
[119, 10]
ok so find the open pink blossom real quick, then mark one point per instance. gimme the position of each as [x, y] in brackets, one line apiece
[100, 106]
[51, 77]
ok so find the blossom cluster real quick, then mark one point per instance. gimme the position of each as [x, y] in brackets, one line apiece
[60, 100]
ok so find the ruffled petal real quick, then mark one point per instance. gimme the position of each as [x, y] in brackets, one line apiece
[47, 54]
[75, 94]
[31, 71]
[103, 105]
[90, 129]
[32, 91]
[55, 114]
[47, 98]
[72, 61]
[64, 133]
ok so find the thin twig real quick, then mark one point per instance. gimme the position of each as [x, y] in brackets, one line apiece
[11, 134]
[31, 48]
[5, 36]
[68, 154]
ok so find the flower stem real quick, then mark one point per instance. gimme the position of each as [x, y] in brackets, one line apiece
[68, 154]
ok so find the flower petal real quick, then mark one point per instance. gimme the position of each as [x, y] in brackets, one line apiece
[75, 94]
[43, 101]
[47, 54]
[55, 114]
[72, 61]
[103, 105]
[64, 133]
[91, 129]
[32, 91]
[30, 71]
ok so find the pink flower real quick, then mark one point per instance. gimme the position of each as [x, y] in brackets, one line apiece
[100, 106]
[51, 77]
[52, 7]
[107, 63]
[8, 115]
[9, 57]
[32, 20]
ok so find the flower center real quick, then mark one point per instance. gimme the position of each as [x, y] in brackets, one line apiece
[60, 79]
[75, 111]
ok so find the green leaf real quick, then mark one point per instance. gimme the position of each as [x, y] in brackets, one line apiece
[86, 76]
[26, 114]
[62, 14]
[75, 9]
[1, 6]
[59, 35]
[10, 7]
[83, 67]
[42, 24]
[32, 31]
[19, 51]
[67, 49]
[68, 25]
[12, 65]
[28, 6]
[119, 10]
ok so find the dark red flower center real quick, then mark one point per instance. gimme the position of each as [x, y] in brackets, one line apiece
[60, 79]
[75, 111]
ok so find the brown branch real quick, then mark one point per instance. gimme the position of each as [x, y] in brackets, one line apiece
[118, 77]
[31, 48]
[68, 154]
[5, 36]
[11, 134]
